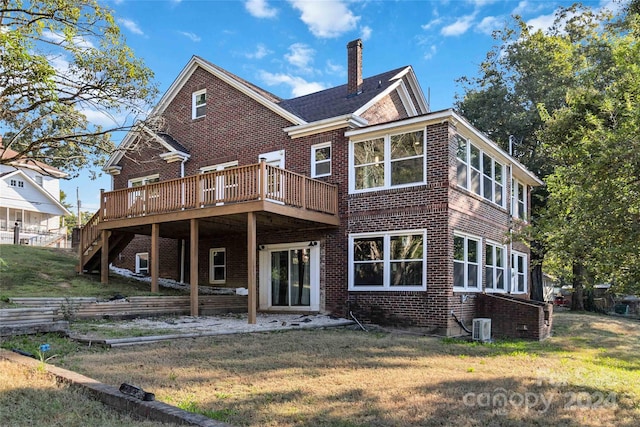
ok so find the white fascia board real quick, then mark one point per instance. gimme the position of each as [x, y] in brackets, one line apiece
[35, 185]
[426, 119]
[174, 156]
[405, 97]
[455, 119]
[417, 90]
[377, 98]
[196, 62]
[350, 120]
[387, 91]
[519, 169]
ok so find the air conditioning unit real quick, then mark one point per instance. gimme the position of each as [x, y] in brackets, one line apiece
[481, 329]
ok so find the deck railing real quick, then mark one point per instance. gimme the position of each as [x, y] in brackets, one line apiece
[234, 185]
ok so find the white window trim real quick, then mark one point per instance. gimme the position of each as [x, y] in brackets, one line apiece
[387, 162]
[143, 179]
[265, 275]
[514, 273]
[505, 267]
[212, 251]
[194, 107]
[467, 185]
[466, 287]
[386, 287]
[314, 162]
[515, 211]
[138, 269]
[219, 166]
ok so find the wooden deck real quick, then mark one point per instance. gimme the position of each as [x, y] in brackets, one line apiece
[245, 197]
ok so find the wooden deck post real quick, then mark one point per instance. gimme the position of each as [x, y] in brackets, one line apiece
[251, 266]
[262, 191]
[104, 258]
[155, 256]
[193, 272]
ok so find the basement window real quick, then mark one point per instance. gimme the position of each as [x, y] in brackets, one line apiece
[142, 263]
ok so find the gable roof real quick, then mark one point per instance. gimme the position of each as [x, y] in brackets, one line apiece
[259, 95]
[310, 113]
[175, 151]
[17, 162]
[336, 102]
[49, 196]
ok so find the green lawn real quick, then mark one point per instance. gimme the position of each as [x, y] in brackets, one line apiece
[587, 374]
[28, 271]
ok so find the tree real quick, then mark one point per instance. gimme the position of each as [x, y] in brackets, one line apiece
[593, 214]
[63, 60]
[528, 70]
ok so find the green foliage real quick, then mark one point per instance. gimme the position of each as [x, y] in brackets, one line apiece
[569, 96]
[61, 62]
[594, 204]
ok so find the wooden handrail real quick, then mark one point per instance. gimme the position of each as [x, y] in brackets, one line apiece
[233, 185]
[89, 232]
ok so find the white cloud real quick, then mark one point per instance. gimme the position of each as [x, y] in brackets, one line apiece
[298, 85]
[489, 24]
[431, 52]
[260, 9]
[300, 55]
[130, 25]
[260, 52]
[526, 6]
[459, 27]
[480, 3]
[326, 19]
[542, 22]
[432, 23]
[365, 33]
[56, 38]
[193, 37]
[335, 69]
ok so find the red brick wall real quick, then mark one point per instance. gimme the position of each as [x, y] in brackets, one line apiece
[387, 109]
[237, 128]
[511, 318]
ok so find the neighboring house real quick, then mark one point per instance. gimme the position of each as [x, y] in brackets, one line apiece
[352, 199]
[30, 198]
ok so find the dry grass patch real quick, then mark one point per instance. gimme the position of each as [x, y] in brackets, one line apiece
[30, 397]
[587, 375]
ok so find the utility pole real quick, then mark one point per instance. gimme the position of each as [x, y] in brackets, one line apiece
[79, 203]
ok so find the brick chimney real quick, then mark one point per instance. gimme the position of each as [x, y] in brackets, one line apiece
[354, 64]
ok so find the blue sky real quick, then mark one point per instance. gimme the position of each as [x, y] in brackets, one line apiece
[295, 47]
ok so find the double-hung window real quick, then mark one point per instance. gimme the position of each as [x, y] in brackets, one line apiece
[217, 265]
[388, 161]
[391, 261]
[199, 104]
[518, 272]
[321, 160]
[518, 200]
[495, 264]
[466, 263]
[479, 172]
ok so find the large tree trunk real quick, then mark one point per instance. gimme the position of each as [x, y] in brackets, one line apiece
[537, 288]
[577, 300]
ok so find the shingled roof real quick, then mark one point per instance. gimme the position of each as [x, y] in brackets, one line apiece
[335, 102]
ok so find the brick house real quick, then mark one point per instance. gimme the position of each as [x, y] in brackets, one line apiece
[355, 198]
